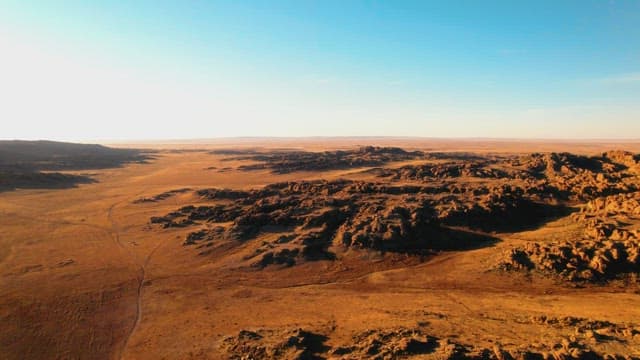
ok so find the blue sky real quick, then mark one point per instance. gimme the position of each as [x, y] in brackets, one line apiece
[78, 70]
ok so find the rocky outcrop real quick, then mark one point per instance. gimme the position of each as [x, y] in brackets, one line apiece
[577, 177]
[271, 344]
[282, 162]
[449, 203]
[586, 260]
[608, 248]
[388, 344]
[614, 218]
[162, 196]
[426, 172]
[551, 176]
[218, 194]
[403, 342]
[317, 218]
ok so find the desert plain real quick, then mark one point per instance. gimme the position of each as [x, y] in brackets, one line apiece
[328, 248]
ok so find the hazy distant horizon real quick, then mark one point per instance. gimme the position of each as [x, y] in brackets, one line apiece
[254, 139]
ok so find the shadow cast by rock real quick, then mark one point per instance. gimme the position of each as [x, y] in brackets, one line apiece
[526, 216]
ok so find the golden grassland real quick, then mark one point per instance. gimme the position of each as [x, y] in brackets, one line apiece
[84, 275]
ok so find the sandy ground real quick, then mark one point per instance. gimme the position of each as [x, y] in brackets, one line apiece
[83, 275]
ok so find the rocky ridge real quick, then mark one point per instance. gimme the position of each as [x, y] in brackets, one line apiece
[419, 209]
[282, 162]
[403, 342]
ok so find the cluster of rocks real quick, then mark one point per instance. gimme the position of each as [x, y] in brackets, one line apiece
[221, 194]
[581, 178]
[172, 220]
[162, 196]
[282, 162]
[552, 176]
[380, 225]
[585, 260]
[591, 330]
[188, 215]
[430, 171]
[317, 215]
[625, 158]
[387, 344]
[609, 247]
[402, 342]
[405, 343]
[314, 218]
[492, 208]
[203, 237]
[614, 217]
[270, 344]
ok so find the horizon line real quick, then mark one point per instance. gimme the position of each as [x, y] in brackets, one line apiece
[324, 137]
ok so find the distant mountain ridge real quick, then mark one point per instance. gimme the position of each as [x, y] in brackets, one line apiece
[53, 155]
[22, 162]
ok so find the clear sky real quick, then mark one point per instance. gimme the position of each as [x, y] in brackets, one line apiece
[83, 70]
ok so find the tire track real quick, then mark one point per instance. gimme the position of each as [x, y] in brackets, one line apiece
[141, 277]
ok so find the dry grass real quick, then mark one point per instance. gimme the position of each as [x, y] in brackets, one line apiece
[83, 275]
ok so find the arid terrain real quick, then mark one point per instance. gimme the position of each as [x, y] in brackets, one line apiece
[364, 248]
